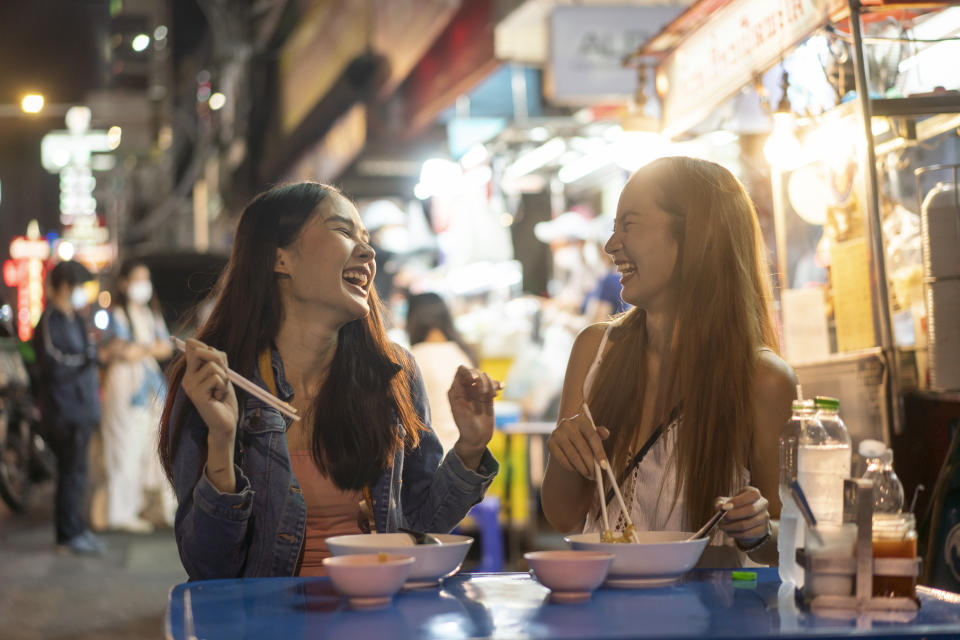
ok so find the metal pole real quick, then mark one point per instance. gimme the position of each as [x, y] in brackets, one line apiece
[780, 231]
[874, 222]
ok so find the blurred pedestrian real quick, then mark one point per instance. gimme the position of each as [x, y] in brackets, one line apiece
[134, 390]
[439, 350]
[69, 400]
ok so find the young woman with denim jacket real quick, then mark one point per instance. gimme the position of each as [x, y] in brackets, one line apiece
[297, 313]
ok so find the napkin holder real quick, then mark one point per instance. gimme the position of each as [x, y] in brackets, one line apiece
[862, 566]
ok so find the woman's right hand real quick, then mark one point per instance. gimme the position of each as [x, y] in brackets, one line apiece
[206, 383]
[576, 444]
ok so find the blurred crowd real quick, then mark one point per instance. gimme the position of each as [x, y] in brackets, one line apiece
[100, 392]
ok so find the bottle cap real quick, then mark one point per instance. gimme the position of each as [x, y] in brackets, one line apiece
[826, 402]
[872, 448]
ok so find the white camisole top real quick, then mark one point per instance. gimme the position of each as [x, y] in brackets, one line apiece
[648, 490]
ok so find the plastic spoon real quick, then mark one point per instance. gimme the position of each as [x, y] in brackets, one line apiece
[708, 528]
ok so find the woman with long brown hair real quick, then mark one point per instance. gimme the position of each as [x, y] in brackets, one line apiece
[686, 391]
[297, 313]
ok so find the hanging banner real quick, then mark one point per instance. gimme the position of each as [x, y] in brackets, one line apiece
[716, 60]
[588, 45]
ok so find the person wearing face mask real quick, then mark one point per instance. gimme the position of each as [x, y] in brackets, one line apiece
[69, 400]
[136, 339]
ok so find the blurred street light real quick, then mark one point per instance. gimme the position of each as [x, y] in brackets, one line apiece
[32, 103]
[140, 42]
[217, 100]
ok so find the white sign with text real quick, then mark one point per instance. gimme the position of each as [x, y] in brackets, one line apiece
[715, 61]
[588, 45]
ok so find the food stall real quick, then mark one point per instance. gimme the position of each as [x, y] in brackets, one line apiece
[864, 117]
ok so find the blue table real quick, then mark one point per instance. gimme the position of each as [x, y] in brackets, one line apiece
[707, 604]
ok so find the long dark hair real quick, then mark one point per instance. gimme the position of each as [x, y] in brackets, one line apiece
[368, 386]
[428, 311]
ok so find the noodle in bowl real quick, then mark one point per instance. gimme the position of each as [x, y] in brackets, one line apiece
[660, 558]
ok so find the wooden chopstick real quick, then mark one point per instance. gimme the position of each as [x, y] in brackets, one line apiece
[252, 388]
[603, 501]
[623, 505]
[613, 482]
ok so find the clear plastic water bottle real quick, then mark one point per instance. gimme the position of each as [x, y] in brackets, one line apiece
[791, 535]
[887, 488]
[823, 461]
[838, 458]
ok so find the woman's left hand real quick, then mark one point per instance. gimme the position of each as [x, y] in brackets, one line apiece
[471, 402]
[747, 518]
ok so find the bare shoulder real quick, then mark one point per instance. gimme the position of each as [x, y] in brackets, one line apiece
[774, 384]
[588, 340]
[584, 349]
[773, 375]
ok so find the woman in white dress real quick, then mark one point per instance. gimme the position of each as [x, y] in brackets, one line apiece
[134, 389]
[438, 349]
[686, 390]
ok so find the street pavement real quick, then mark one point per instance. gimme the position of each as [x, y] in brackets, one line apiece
[51, 596]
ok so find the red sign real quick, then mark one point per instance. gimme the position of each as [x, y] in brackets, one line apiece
[25, 271]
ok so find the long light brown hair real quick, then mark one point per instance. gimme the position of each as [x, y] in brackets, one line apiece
[722, 296]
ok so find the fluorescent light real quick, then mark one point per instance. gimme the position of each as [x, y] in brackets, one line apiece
[474, 156]
[584, 166]
[533, 160]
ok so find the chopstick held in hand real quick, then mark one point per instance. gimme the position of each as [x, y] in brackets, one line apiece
[613, 481]
[251, 387]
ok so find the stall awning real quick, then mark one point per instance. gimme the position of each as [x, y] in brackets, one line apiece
[461, 56]
[342, 53]
[717, 46]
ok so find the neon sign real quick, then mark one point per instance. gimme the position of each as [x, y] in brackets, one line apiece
[25, 271]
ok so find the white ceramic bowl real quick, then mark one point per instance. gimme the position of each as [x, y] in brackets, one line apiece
[368, 580]
[432, 562]
[660, 558]
[571, 576]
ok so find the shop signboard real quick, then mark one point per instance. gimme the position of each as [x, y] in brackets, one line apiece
[721, 56]
[25, 271]
[69, 153]
[589, 43]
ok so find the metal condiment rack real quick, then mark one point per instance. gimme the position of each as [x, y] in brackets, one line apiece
[862, 566]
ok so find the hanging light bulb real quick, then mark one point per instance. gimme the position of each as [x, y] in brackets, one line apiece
[782, 148]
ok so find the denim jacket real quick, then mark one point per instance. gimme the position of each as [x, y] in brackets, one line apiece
[258, 530]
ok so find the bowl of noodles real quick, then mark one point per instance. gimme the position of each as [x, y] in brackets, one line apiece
[660, 558]
[432, 562]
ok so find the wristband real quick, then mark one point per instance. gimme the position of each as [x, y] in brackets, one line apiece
[756, 544]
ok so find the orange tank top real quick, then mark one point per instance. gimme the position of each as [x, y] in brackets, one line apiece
[330, 512]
